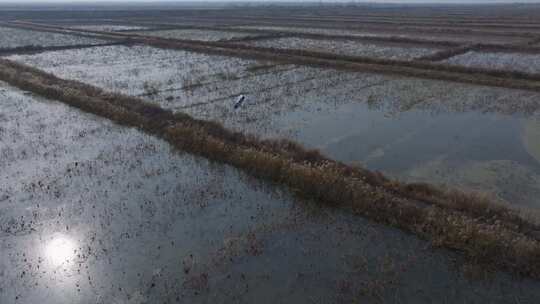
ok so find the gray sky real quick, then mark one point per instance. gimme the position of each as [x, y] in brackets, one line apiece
[15, 2]
[359, 1]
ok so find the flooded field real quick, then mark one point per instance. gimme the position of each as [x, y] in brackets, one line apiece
[13, 38]
[413, 130]
[167, 77]
[486, 152]
[111, 215]
[349, 48]
[138, 204]
[528, 63]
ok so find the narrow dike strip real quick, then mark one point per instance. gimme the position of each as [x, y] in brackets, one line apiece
[446, 54]
[484, 232]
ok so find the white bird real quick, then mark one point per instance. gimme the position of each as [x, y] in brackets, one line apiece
[239, 101]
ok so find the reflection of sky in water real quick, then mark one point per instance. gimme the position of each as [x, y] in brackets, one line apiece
[108, 217]
[394, 142]
[60, 251]
[483, 151]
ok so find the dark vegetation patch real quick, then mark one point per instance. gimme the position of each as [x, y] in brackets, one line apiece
[261, 37]
[483, 231]
[533, 42]
[259, 67]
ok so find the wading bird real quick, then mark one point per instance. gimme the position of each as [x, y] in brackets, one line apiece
[239, 101]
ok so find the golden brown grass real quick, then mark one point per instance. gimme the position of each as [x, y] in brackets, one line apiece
[450, 219]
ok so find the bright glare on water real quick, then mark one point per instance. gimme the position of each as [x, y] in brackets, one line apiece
[60, 250]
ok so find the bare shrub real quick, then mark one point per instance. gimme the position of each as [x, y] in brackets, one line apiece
[150, 88]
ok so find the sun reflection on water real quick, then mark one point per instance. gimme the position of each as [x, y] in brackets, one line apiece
[60, 250]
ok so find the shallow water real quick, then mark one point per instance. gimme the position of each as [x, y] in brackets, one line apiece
[349, 48]
[526, 63]
[95, 213]
[486, 151]
[465, 136]
[12, 38]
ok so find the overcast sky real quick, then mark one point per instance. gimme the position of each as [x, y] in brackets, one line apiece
[359, 1]
[75, 2]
